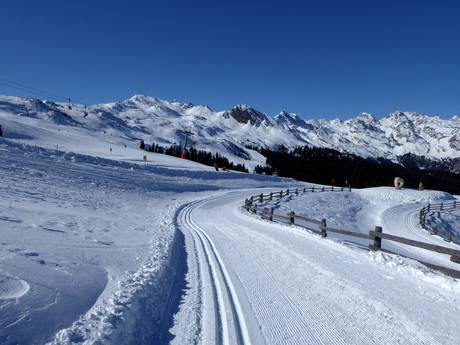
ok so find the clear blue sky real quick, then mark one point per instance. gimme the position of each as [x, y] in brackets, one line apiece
[319, 59]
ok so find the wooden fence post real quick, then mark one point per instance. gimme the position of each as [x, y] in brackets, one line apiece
[271, 195]
[377, 245]
[341, 189]
[312, 189]
[332, 189]
[323, 226]
[296, 191]
[455, 259]
[261, 198]
[322, 189]
[287, 191]
[442, 205]
[428, 208]
[305, 189]
[349, 189]
[270, 214]
[291, 216]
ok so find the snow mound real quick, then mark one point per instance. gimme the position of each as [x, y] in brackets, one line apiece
[389, 194]
[12, 287]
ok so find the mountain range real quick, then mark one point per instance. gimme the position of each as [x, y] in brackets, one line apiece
[236, 132]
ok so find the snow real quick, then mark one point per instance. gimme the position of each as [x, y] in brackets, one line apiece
[396, 211]
[83, 235]
[446, 223]
[100, 247]
[295, 288]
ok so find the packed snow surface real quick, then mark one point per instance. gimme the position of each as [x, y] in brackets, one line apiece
[264, 283]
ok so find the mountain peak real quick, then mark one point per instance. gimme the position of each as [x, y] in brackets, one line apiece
[366, 117]
[243, 107]
[143, 99]
[289, 118]
[244, 113]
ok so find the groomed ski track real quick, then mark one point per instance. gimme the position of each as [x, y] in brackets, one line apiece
[251, 282]
[403, 221]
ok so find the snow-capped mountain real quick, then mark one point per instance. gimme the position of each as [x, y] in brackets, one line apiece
[230, 132]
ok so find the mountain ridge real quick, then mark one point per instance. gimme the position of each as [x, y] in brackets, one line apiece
[151, 119]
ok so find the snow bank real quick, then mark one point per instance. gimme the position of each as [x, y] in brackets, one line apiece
[446, 223]
[135, 312]
[391, 195]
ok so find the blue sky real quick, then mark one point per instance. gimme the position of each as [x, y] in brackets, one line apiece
[319, 59]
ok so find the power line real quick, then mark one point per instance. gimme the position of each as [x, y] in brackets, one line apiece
[35, 91]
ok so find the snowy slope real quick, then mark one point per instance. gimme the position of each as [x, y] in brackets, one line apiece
[228, 132]
[82, 233]
[99, 247]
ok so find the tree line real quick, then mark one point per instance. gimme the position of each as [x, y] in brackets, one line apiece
[328, 166]
[204, 157]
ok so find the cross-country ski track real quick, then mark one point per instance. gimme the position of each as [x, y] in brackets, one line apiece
[252, 282]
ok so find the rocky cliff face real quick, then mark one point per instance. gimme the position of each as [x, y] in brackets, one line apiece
[245, 114]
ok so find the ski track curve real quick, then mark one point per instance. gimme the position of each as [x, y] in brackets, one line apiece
[264, 283]
[402, 221]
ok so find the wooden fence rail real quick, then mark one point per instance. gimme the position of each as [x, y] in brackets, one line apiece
[440, 207]
[376, 235]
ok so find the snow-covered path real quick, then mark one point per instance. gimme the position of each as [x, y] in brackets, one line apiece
[251, 282]
[403, 221]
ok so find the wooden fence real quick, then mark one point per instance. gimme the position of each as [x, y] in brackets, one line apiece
[441, 207]
[320, 226]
